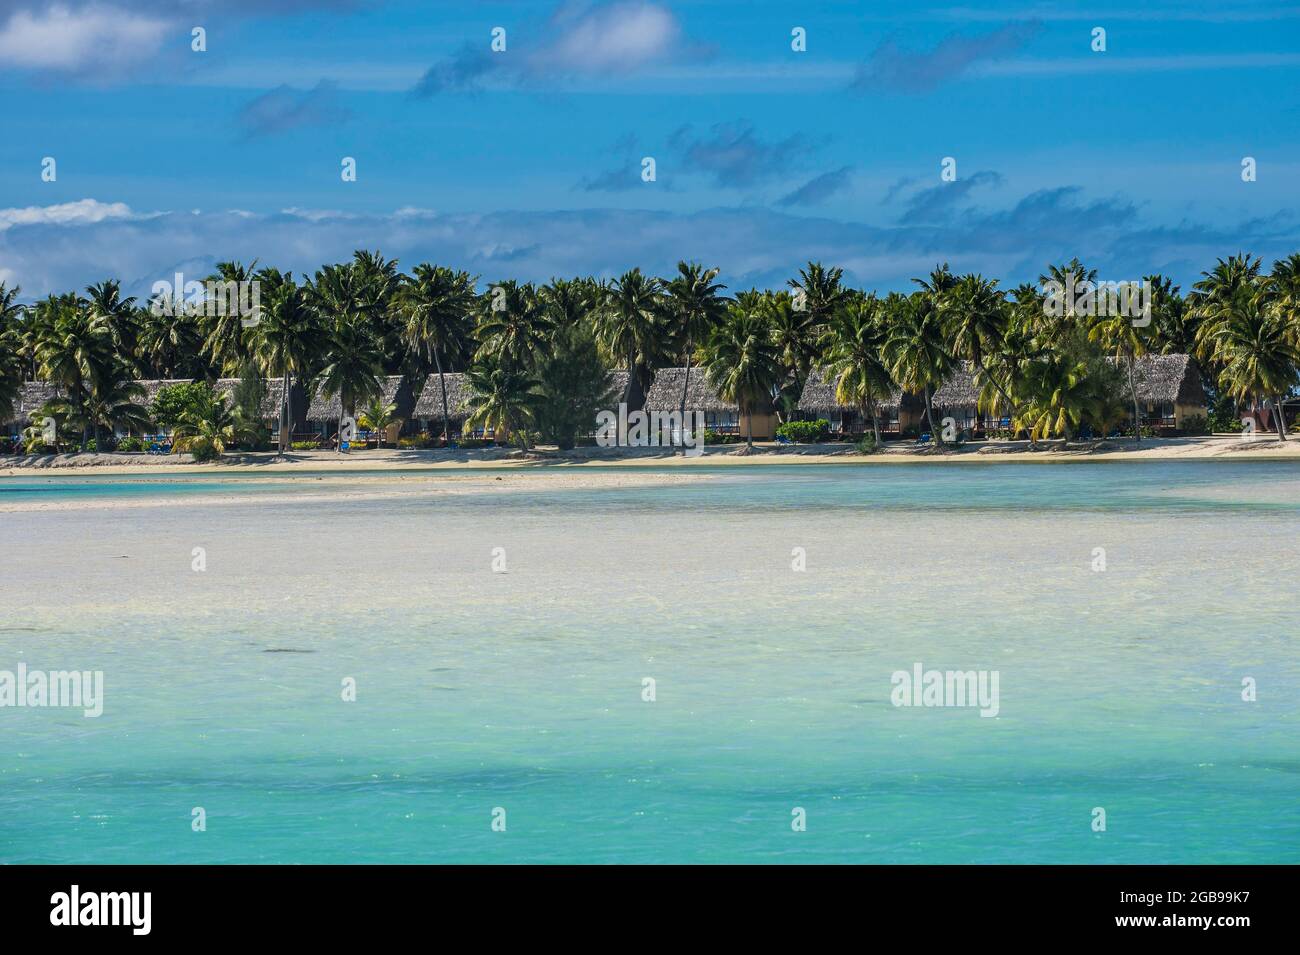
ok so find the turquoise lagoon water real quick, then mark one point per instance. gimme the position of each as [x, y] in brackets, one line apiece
[523, 690]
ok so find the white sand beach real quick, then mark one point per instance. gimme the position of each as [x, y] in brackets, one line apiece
[508, 460]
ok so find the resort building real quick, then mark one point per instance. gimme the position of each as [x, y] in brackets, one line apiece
[898, 413]
[426, 413]
[1170, 391]
[31, 396]
[1171, 395]
[724, 417]
[958, 398]
[324, 414]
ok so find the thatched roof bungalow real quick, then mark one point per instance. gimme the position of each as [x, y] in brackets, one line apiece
[665, 396]
[31, 396]
[1170, 390]
[897, 412]
[426, 413]
[326, 413]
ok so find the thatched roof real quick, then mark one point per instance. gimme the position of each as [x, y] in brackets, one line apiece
[665, 392]
[272, 394]
[31, 396]
[958, 389]
[429, 405]
[818, 396]
[323, 409]
[618, 383]
[1171, 378]
[274, 387]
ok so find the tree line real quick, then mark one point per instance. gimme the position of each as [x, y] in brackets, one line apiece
[538, 357]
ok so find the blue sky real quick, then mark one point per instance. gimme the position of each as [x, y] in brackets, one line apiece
[526, 163]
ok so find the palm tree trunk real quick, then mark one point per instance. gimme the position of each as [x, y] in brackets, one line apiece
[1132, 387]
[686, 384]
[1281, 419]
[749, 432]
[929, 416]
[875, 422]
[1011, 405]
[442, 383]
[284, 415]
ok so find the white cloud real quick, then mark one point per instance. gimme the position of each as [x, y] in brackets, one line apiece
[81, 212]
[613, 37]
[58, 248]
[78, 40]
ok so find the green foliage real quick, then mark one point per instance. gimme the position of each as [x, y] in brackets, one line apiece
[1224, 415]
[173, 402]
[306, 445]
[805, 432]
[132, 445]
[866, 444]
[574, 384]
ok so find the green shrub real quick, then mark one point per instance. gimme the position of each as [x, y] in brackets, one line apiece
[132, 445]
[174, 401]
[713, 437]
[1224, 416]
[866, 444]
[1196, 424]
[306, 445]
[805, 432]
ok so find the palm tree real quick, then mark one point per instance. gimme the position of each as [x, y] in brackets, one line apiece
[169, 342]
[106, 305]
[381, 280]
[74, 350]
[113, 403]
[1061, 391]
[287, 338]
[630, 327]
[515, 329]
[742, 362]
[1173, 323]
[855, 349]
[11, 365]
[918, 352]
[208, 429]
[975, 319]
[797, 333]
[569, 302]
[1117, 334]
[436, 304]
[821, 291]
[1258, 344]
[694, 305]
[353, 353]
[502, 398]
[227, 340]
[378, 416]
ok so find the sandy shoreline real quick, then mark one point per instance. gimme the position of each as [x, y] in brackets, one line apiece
[389, 461]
